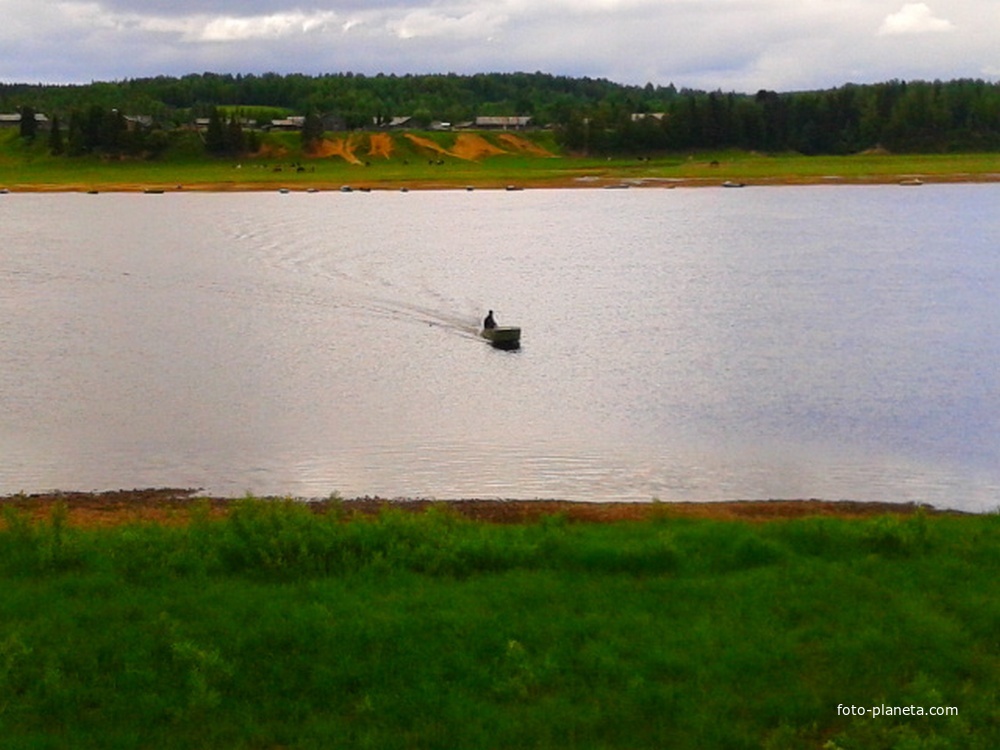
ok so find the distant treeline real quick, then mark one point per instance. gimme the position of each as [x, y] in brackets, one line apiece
[589, 115]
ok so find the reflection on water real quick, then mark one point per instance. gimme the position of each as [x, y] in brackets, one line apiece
[678, 344]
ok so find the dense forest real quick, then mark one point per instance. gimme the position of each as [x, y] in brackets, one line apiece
[589, 115]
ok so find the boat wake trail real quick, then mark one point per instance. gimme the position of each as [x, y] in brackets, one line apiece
[351, 281]
[450, 321]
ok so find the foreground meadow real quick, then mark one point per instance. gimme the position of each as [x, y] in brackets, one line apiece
[273, 626]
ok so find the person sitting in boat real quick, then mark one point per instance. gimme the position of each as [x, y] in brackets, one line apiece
[489, 322]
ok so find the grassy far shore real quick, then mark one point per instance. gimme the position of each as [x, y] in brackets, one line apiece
[449, 160]
[278, 624]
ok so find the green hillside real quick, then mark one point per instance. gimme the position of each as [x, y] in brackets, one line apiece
[432, 159]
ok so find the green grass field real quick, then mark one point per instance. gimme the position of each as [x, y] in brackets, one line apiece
[26, 166]
[278, 628]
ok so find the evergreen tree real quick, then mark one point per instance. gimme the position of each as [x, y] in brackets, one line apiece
[312, 132]
[112, 133]
[29, 125]
[234, 137]
[252, 142]
[93, 125]
[215, 136]
[56, 145]
[77, 144]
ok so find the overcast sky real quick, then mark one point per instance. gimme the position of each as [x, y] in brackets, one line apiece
[733, 45]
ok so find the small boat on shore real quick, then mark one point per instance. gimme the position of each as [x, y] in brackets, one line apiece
[503, 337]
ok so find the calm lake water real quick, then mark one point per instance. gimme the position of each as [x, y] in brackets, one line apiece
[686, 344]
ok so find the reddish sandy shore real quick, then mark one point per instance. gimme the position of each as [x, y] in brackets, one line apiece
[174, 506]
[569, 180]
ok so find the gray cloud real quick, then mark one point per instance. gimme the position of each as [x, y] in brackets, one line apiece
[739, 45]
[236, 8]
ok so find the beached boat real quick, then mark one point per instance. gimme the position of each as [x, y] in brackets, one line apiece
[503, 337]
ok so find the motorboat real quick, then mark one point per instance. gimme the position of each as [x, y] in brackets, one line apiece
[503, 337]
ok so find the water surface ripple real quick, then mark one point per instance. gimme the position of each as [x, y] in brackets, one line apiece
[832, 342]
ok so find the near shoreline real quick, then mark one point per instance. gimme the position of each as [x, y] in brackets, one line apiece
[174, 506]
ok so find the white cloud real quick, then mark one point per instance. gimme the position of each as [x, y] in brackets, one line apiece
[914, 18]
[274, 26]
[234, 29]
[428, 22]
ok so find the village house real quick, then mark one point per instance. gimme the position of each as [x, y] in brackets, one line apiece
[201, 123]
[13, 120]
[295, 122]
[333, 122]
[503, 122]
[396, 123]
[138, 122]
[407, 122]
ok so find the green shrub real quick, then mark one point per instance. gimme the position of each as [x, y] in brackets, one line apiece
[29, 547]
[893, 536]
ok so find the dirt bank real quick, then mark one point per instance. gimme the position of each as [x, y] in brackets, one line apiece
[473, 147]
[380, 144]
[173, 506]
[523, 145]
[342, 147]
